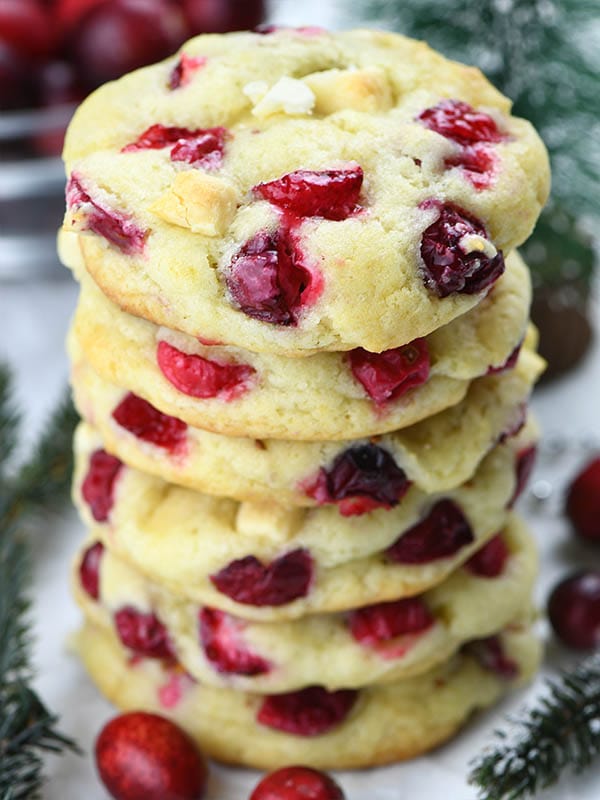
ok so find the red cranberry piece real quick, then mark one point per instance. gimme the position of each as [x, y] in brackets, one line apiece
[297, 783]
[148, 423]
[491, 656]
[583, 502]
[220, 16]
[252, 583]
[459, 121]
[574, 610]
[220, 634]
[200, 377]
[184, 70]
[330, 193]
[389, 375]
[510, 362]
[118, 37]
[478, 163]
[98, 486]
[447, 269]
[308, 712]
[489, 561]
[443, 532]
[115, 227]
[143, 633]
[380, 623]
[524, 467]
[268, 280]
[201, 147]
[28, 27]
[89, 569]
[142, 756]
[361, 479]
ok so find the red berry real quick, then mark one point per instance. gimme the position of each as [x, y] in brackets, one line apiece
[574, 610]
[509, 363]
[143, 633]
[200, 377]
[443, 532]
[379, 623]
[57, 86]
[491, 656]
[89, 569]
[583, 501]
[69, 12]
[268, 280]
[98, 485]
[116, 227]
[220, 16]
[149, 424]
[184, 70]
[307, 712]
[447, 267]
[478, 162]
[360, 479]
[524, 467]
[143, 756]
[221, 636]
[459, 121]
[489, 561]
[297, 783]
[331, 193]
[117, 36]
[389, 375]
[250, 582]
[203, 147]
[17, 84]
[28, 27]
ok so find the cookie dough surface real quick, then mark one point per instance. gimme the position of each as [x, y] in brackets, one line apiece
[170, 230]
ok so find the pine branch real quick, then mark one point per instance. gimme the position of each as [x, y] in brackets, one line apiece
[9, 420]
[561, 733]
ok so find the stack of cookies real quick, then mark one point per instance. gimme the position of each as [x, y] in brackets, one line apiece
[302, 359]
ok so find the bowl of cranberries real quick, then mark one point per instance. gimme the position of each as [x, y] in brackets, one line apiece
[52, 54]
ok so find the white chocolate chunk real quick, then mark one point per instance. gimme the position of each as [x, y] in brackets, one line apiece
[474, 243]
[269, 521]
[288, 95]
[357, 89]
[198, 201]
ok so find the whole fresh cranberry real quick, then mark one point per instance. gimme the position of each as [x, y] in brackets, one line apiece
[28, 27]
[89, 569]
[583, 501]
[144, 634]
[117, 36]
[142, 756]
[574, 610]
[17, 83]
[98, 485]
[219, 16]
[69, 12]
[137, 416]
[297, 783]
[307, 712]
[58, 85]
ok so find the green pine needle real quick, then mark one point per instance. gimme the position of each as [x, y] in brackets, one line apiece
[562, 732]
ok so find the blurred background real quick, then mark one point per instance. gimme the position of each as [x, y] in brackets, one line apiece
[544, 54]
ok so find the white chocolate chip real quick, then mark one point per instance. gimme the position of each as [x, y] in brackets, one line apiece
[269, 521]
[256, 90]
[197, 201]
[474, 243]
[288, 95]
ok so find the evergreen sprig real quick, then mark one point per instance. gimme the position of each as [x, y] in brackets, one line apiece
[27, 728]
[562, 732]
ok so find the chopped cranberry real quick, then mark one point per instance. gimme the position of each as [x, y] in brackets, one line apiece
[200, 377]
[389, 375]
[184, 70]
[360, 479]
[583, 502]
[308, 712]
[116, 227]
[443, 532]
[252, 583]
[203, 147]
[447, 267]
[516, 425]
[489, 561]
[510, 362]
[459, 121]
[297, 783]
[329, 193]
[98, 486]
[574, 610]
[380, 623]
[143, 633]
[478, 163]
[148, 423]
[524, 467]
[89, 569]
[491, 656]
[221, 638]
[268, 280]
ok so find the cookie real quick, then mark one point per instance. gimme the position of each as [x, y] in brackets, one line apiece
[373, 644]
[331, 730]
[293, 193]
[436, 454]
[325, 396]
[269, 562]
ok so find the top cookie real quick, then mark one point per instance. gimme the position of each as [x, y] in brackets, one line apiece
[301, 191]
